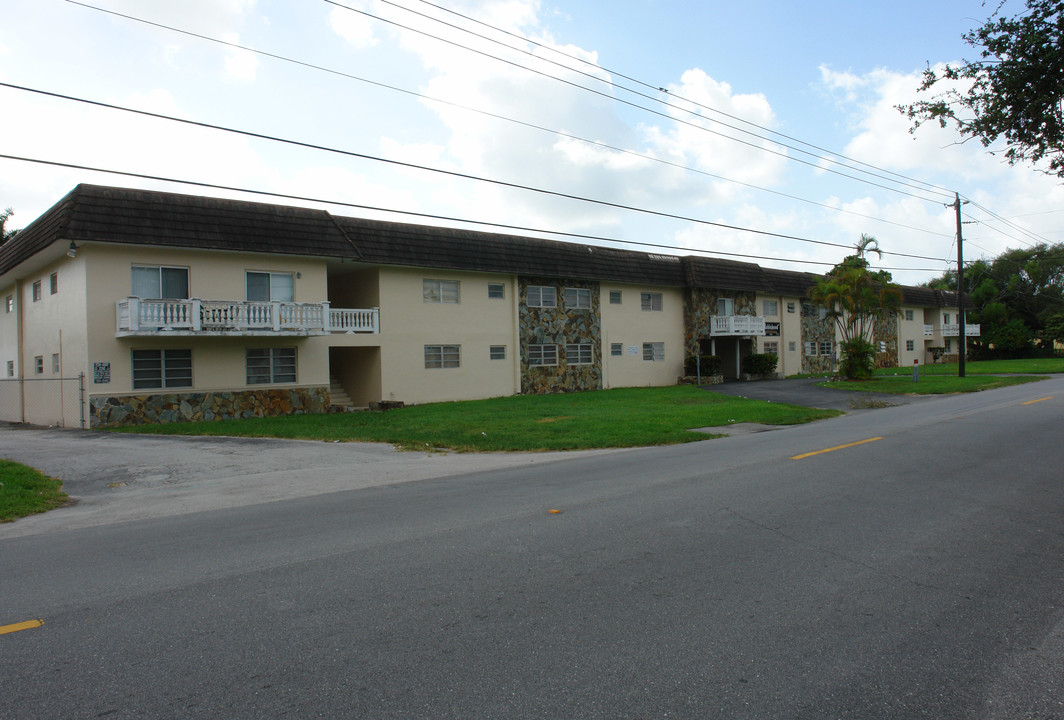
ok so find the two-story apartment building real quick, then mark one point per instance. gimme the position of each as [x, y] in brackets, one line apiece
[138, 306]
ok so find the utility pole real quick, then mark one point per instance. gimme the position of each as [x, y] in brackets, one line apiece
[962, 336]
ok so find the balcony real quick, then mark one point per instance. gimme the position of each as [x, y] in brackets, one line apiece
[723, 325]
[953, 330]
[929, 330]
[145, 318]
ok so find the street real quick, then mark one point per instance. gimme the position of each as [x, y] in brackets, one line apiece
[915, 569]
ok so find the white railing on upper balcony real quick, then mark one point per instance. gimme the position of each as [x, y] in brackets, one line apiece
[136, 316]
[953, 330]
[929, 330]
[737, 325]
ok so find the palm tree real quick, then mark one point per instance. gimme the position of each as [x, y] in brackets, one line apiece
[6, 234]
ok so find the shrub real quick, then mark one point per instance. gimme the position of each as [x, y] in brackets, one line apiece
[760, 364]
[710, 365]
[858, 359]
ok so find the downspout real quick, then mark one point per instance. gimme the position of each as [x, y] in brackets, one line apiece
[20, 345]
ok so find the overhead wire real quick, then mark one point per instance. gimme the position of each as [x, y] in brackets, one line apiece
[431, 216]
[449, 173]
[497, 116]
[615, 73]
[649, 110]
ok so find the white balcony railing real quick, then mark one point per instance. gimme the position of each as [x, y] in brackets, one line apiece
[136, 316]
[953, 330]
[737, 325]
[929, 330]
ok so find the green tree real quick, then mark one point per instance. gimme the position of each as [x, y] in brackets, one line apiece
[1013, 92]
[855, 298]
[5, 233]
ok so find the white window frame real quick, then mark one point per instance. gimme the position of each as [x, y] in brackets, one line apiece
[282, 286]
[9, 304]
[541, 296]
[38, 365]
[792, 346]
[582, 352]
[159, 284]
[725, 304]
[11, 368]
[36, 290]
[790, 307]
[542, 354]
[577, 298]
[651, 302]
[945, 318]
[909, 315]
[771, 347]
[55, 363]
[280, 366]
[441, 292]
[654, 352]
[53, 283]
[810, 348]
[616, 349]
[910, 345]
[615, 297]
[497, 352]
[497, 291]
[443, 357]
[173, 365]
[770, 308]
[825, 347]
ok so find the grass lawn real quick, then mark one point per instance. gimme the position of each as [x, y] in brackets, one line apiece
[929, 385]
[984, 367]
[24, 491]
[624, 417]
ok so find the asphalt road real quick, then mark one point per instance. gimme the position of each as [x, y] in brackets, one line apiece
[920, 574]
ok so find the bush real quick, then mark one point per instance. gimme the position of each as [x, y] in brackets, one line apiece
[710, 365]
[858, 359]
[760, 364]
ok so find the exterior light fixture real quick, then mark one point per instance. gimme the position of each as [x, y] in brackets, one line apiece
[72, 251]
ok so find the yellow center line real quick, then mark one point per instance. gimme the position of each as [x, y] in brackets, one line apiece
[1032, 402]
[5, 629]
[837, 447]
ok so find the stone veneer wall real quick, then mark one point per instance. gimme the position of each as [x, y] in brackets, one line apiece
[817, 329]
[886, 331]
[183, 407]
[542, 325]
[700, 305]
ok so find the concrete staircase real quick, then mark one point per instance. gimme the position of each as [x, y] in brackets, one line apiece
[337, 394]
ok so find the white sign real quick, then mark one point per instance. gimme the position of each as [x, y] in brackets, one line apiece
[633, 349]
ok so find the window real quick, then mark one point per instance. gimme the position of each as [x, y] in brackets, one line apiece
[771, 347]
[11, 368]
[38, 364]
[615, 297]
[496, 290]
[9, 304]
[809, 310]
[725, 306]
[270, 287]
[440, 291]
[578, 354]
[577, 298]
[909, 315]
[162, 369]
[771, 308]
[909, 345]
[497, 352]
[541, 296]
[270, 365]
[55, 363]
[36, 290]
[650, 302]
[542, 354]
[438, 357]
[810, 349]
[945, 318]
[616, 349]
[790, 307]
[654, 352]
[791, 346]
[949, 345]
[160, 282]
[53, 283]
[825, 347]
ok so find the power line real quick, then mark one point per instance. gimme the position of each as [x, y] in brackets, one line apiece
[612, 72]
[497, 116]
[409, 213]
[651, 111]
[449, 173]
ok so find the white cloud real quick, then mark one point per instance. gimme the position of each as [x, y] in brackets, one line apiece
[356, 29]
[240, 64]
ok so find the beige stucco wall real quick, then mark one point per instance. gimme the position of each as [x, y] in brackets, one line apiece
[217, 362]
[631, 326]
[475, 323]
[910, 330]
[9, 331]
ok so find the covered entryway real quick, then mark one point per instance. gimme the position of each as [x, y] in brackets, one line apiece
[355, 375]
[730, 350]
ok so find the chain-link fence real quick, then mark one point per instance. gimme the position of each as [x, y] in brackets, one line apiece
[59, 402]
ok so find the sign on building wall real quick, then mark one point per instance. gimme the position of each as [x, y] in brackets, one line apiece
[101, 373]
[772, 329]
[633, 349]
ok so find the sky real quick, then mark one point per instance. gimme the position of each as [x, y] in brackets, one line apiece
[762, 131]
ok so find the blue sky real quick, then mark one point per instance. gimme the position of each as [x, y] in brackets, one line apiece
[824, 73]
